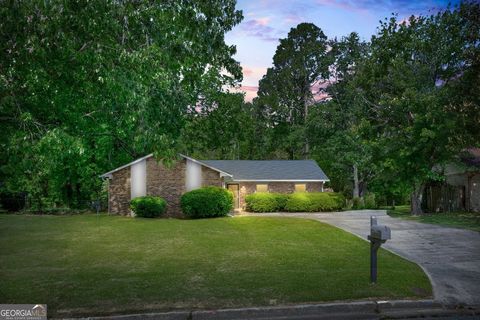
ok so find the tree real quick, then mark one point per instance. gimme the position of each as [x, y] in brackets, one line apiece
[221, 127]
[97, 84]
[416, 89]
[335, 127]
[286, 92]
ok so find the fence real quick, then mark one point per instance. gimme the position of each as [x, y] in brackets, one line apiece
[444, 198]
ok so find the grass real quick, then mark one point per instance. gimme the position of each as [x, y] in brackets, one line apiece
[464, 220]
[84, 265]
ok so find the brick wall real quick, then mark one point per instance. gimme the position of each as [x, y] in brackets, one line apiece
[211, 177]
[119, 192]
[314, 186]
[168, 183]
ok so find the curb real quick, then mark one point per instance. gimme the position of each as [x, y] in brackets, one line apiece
[396, 309]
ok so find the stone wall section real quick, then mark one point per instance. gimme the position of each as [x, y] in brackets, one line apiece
[119, 192]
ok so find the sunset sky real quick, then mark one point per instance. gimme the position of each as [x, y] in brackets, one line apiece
[266, 21]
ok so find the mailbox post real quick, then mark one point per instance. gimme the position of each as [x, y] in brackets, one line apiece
[378, 235]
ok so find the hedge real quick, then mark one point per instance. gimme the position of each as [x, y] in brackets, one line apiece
[207, 202]
[295, 202]
[148, 206]
[266, 202]
[314, 202]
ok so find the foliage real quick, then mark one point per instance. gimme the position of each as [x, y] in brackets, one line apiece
[285, 92]
[358, 203]
[266, 202]
[370, 201]
[207, 202]
[314, 202]
[148, 206]
[294, 202]
[88, 86]
[221, 128]
[410, 88]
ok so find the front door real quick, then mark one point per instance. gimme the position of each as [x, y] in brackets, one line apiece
[236, 199]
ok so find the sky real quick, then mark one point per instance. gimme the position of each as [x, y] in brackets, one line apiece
[267, 21]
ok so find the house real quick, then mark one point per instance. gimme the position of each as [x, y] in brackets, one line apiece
[461, 189]
[145, 176]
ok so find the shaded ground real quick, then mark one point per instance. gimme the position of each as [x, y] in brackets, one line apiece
[464, 220]
[88, 264]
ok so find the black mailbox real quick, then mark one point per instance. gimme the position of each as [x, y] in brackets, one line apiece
[378, 235]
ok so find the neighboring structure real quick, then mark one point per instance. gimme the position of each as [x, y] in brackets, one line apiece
[145, 176]
[461, 189]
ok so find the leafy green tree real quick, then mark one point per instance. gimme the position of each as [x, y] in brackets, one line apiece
[221, 127]
[416, 87]
[335, 127]
[287, 90]
[87, 86]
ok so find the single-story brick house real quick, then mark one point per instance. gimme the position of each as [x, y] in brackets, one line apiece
[146, 176]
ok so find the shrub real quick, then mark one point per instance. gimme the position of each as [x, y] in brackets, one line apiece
[207, 202]
[370, 201]
[148, 206]
[357, 203]
[295, 202]
[266, 202]
[314, 201]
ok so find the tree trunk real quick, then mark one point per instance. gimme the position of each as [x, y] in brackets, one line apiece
[416, 200]
[307, 146]
[356, 186]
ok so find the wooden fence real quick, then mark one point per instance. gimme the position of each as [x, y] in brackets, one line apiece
[444, 198]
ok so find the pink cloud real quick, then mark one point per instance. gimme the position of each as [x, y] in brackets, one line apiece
[263, 21]
[250, 92]
[259, 27]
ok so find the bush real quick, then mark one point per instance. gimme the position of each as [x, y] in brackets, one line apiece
[314, 202]
[207, 202]
[358, 203]
[370, 201]
[266, 202]
[148, 206]
[295, 202]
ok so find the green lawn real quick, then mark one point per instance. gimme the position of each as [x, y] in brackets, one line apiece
[464, 220]
[102, 264]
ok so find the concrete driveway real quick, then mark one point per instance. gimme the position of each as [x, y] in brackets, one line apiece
[450, 256]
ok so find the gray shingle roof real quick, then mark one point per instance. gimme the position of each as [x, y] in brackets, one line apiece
[268, 170]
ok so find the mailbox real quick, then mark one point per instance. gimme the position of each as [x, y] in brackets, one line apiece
[378, 235]
[381, 233]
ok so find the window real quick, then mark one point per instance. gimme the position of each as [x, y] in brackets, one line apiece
[262, 187]
[300, 187]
